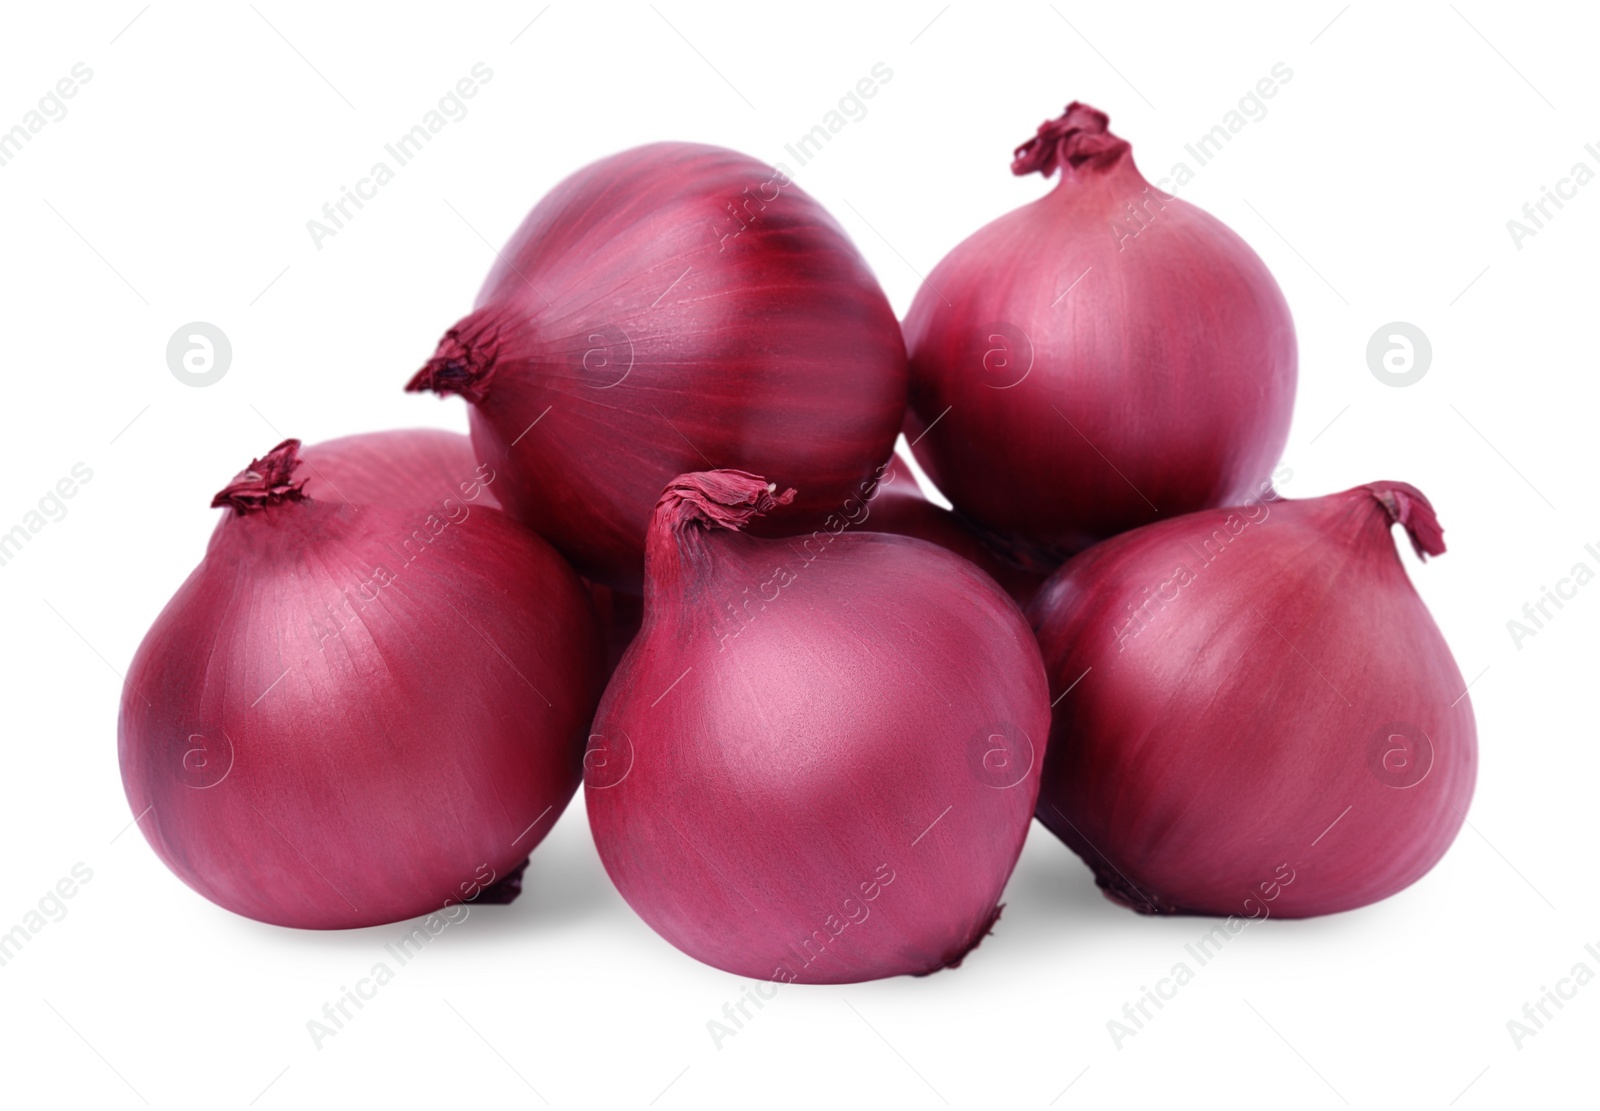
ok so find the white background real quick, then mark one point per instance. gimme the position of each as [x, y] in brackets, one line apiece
[177, 188]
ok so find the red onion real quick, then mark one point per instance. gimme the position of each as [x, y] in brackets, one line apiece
[667, 309]
[818, 761]
[1100, 358]
[350, 714]
[899, 507]
[1252, 694]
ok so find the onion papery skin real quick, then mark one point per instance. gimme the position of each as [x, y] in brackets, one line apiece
[410, 468]
[338, 721]
[829, 788]
[403, 468]
[430, 468]
[1162, 383]
[1253, 693]
[672, 308]
[900, 507]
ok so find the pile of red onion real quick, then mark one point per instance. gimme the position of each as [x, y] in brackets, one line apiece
[828, 723]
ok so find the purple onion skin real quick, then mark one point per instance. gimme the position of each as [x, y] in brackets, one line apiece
[408, 468]
[428, 468]
[671, 308]
[404, 468]
[1284, 707]
[1162, 383]
[808, 791]
[306, 746]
